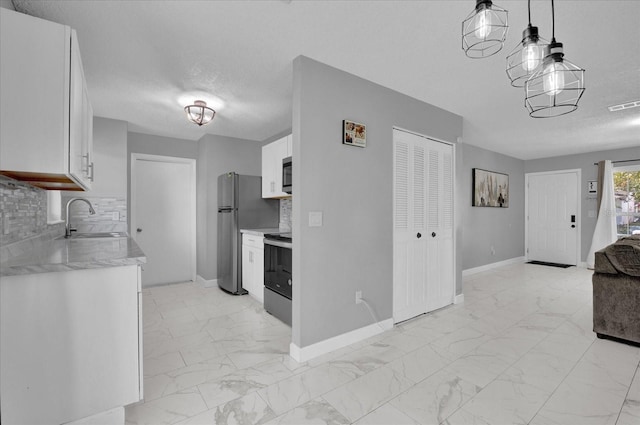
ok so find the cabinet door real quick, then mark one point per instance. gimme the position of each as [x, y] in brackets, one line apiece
[247, 269]
[267, 171]
[34, 95]
[258, 274]
[79, 120]
[272, 156]
[68, 336]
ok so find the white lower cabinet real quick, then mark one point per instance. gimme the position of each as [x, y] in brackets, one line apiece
[253, 265]
[70, 344]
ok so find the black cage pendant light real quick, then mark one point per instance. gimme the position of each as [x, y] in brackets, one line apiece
[484, 30]
[526, 56]
[556, 86]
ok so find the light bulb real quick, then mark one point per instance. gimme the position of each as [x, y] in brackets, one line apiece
[483, 24]
[531, 56]
[553, 81]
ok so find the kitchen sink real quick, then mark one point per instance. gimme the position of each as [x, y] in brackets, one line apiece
[102, 235]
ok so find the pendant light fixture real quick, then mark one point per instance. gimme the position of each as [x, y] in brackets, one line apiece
[199, 113]
[526, 56]
[556, 86]
[484, 30]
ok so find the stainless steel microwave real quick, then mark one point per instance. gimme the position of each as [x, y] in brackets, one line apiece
[287, 175]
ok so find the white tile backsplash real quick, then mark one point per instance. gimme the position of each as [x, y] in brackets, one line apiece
[104, 218]
[285, 215]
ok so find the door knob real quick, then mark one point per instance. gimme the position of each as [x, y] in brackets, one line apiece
[433, 234]
[138, 230]
[573, 226]
[419, 235]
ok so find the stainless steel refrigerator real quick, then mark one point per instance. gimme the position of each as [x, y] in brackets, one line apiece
[240, 206]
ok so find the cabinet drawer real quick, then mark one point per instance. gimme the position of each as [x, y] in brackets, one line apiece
[253, 241]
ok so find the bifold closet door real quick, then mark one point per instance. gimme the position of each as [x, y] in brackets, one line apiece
[423, 225]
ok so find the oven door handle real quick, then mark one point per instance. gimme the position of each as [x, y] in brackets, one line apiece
[281, 244]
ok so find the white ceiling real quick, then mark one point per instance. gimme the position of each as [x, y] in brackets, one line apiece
[145, 60]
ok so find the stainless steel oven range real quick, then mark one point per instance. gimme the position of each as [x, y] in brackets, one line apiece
[277, 275]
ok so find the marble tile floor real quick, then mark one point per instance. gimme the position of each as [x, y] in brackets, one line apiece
[519, 350]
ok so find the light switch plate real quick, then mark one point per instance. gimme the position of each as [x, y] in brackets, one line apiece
[591, 213]
[115, 215]
[315, 218]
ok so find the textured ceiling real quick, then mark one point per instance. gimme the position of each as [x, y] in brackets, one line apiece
[145, 60]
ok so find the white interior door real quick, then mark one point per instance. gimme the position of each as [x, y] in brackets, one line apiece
[423, 267]
[552, 217]
[163, 217]
[440, 275]
[409, 250]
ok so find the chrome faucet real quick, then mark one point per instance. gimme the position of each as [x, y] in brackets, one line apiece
[67, 226]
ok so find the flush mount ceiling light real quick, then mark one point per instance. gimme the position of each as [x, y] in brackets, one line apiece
[484, 30]
[526, 56]
[556, 86]
[199, 113]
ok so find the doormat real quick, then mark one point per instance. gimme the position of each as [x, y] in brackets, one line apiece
[544, 263]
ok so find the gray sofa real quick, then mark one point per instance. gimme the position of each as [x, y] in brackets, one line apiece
[616, 291]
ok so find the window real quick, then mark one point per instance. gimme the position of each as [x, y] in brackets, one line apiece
[626, 187]
[54, 207]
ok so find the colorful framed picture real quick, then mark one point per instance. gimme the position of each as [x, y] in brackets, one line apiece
[490, 189]
[354, 134]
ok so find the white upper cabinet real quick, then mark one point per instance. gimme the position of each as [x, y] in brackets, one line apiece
[272, 156]
[46, 119]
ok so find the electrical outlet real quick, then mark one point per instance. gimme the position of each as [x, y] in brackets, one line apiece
[493, 251]
[115, 215]
[358, 297]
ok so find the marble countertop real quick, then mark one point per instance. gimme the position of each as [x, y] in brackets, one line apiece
[260, 232]
[59, 255]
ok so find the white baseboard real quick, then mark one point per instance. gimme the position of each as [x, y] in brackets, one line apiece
[207, 283]
[458, 299]
[515, 260]
[304, 354]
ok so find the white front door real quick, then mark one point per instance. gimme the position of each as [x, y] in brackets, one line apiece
[552, 217]
[163, 217]
[423, 268]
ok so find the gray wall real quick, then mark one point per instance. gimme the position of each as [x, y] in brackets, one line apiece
[484, 228]
[218, 155]
[159, 145]
[583, 162]
[109, 157]
[353, 250]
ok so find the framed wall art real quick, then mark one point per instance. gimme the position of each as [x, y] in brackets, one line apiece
[354, 134]
[490, 189]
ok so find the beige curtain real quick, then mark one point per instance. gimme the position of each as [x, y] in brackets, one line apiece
[605, 232]
[600, 184]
